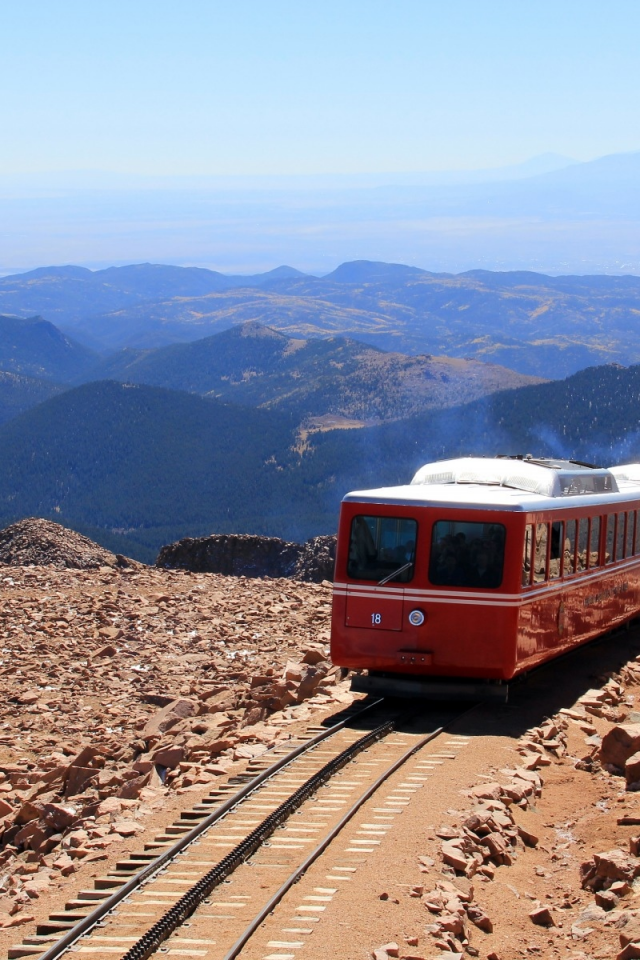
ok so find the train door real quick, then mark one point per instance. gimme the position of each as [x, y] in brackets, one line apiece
[382, 553]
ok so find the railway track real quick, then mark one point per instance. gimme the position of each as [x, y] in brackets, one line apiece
[204, 887]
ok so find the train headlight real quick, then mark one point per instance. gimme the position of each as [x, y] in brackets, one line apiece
[416, 618]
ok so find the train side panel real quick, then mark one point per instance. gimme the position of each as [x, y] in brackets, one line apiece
[566, 616]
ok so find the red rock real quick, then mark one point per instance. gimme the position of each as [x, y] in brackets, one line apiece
[108, 651]
[616, 865]
[392, 949]
[294, 671]
[16, 921]
[542, 917]
[78, 779]
[632, 770]
[5, 808]
[620, 743]
[131, 788]
[309, 682]
[529, 839]
[487, 791]
[110, 805]
[606, 899]
[169, 716]
[32, 835]
[479, 918]
[37, 885]
[90, 756]
[58, 816]
[630, 952]
[313, 655]
[168, 757]
[629, 926]
[28, 811]
[127, 828]
[453, 856]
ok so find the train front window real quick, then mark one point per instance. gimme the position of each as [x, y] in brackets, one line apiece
[382, 549]
[467, 554]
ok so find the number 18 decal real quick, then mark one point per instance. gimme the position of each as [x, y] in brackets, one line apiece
[376, 618]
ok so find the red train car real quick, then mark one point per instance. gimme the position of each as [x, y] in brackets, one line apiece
[480, 569]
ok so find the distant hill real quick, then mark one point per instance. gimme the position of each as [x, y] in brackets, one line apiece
[135, 467]
[541, 326]
[68, 294]
[145, 466]
[18, 393]
[593, 416]
[258, 366]
[33, 347]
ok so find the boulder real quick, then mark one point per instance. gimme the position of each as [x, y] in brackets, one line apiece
[632, 771]
[168, 757]
[169, 716]
[619, 744]
[78, 778]
[604, 868]
[629, 926]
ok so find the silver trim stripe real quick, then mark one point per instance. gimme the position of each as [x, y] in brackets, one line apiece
[342, 588]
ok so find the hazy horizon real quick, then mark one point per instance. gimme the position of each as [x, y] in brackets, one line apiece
[240, 137]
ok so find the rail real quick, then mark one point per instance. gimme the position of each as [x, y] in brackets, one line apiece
[84, 926]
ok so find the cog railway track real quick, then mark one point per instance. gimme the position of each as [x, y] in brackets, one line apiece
[206, 886]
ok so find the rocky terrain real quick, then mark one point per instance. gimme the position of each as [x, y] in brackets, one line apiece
[33, 542]
[124, 686]
[569, 805]
[242, 555]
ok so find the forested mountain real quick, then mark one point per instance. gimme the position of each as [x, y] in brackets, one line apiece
[18, 393]
[258, 366]
[593, 416]
[538, 325]
[145, 463]
[33, 347]
[139, 466]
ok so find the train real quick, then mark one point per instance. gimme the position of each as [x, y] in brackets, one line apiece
[481, 569]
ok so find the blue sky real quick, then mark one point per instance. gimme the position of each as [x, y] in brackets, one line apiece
[257, 87]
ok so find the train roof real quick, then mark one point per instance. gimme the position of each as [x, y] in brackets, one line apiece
[509, 483]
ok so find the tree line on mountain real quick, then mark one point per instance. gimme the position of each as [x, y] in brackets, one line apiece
[135, 467]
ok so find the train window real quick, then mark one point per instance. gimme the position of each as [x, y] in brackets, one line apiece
[594, 543]
[382, 549]
[583, 536]
[609, 554]
[620, 537]
[631, 522]
[555, 553]
[540, 561]
[570, 547]
[526, 556]
[467, 554]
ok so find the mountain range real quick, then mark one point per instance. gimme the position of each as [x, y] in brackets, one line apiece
[538, 325]
[251, 428]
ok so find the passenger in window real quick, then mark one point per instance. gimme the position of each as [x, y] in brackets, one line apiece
[362, 550]
[484, 574]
